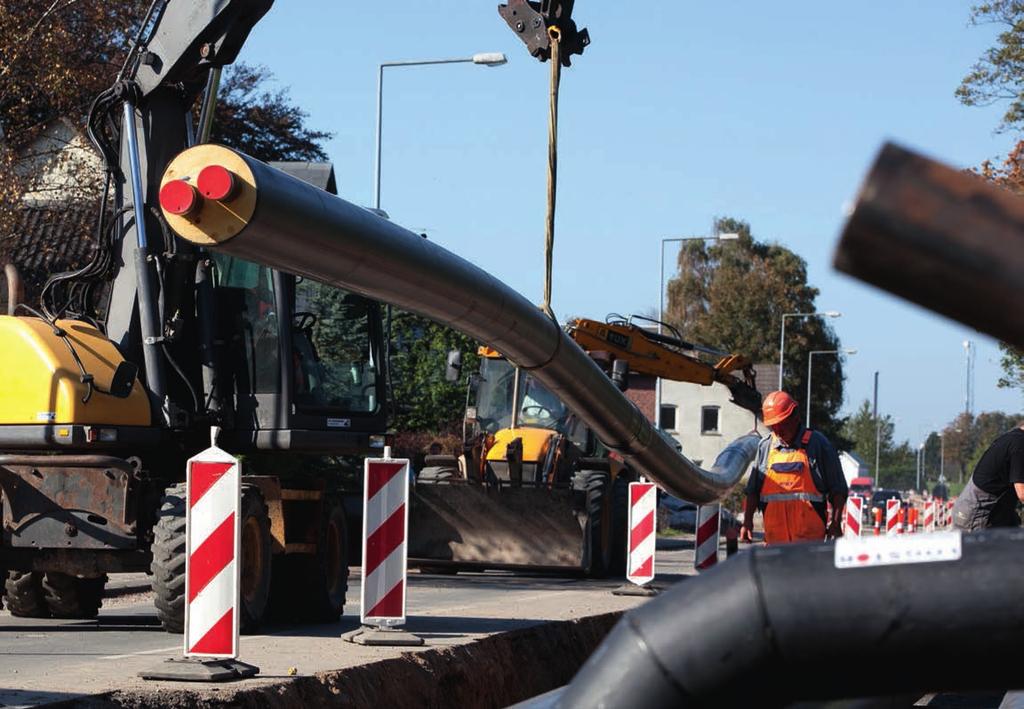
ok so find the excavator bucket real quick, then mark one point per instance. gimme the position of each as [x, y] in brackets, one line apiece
[473, 526]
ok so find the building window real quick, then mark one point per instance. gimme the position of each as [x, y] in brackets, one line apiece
[709, 419]
[668, 417]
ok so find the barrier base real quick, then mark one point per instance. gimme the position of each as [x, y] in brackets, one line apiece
[383, 637]
[196, 670]
[631, 589]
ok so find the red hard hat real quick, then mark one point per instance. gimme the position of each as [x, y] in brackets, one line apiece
[777, 407]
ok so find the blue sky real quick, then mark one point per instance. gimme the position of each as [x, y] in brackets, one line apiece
[676, 114]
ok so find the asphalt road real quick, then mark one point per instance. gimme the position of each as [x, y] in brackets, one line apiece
[49, 660]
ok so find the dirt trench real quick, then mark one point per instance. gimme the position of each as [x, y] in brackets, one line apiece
[491, 672]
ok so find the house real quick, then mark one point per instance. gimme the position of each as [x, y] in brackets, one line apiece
[853, 466]
[703, 418]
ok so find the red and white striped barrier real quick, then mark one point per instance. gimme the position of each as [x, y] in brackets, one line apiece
[948, 517]
[213, 530]
[385, 525]
[853, 516]
[643, 499]
[892, 517]
[929, 516]
[709, 522]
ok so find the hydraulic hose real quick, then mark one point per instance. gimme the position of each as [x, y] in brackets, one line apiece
[261, 214]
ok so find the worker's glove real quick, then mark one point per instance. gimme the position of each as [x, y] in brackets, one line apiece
[835, 530]
[746, 535]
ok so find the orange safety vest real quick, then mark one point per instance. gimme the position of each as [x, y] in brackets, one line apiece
[788, 492]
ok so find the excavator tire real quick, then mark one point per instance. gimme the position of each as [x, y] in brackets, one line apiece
[620, 526]
[255, 545]
[596, 541]
[168, 565]
[312, 587]
[25, 597]
[69, 596]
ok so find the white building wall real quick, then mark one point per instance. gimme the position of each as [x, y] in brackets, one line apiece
[690, 400]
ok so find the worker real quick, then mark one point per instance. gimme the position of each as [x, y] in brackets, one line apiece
[990, 497]
[796, 470]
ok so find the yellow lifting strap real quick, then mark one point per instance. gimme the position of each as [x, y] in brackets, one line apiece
[549, 235]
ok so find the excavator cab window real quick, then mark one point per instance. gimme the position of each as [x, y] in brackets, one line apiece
[247, 289]
[539, 407]
[335, 363]
[496, 384]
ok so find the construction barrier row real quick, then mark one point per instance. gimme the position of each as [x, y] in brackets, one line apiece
[899, 519]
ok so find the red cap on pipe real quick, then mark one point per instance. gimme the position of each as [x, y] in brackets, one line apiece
[217, 182]
[179, 197]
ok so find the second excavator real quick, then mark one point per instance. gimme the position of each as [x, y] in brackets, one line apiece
[533, 486]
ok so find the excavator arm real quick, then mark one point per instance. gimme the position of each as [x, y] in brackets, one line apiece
[666, 356]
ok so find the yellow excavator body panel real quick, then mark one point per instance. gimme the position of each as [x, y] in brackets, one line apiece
[42, 382]
[535, 443]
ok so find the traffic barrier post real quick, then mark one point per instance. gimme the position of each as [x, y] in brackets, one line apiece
[877, 513]
[892, 517]
[385, 546]
[213, 491]
[913, 520]
[853, 516]
[641, 540]
[705, 546]
[929, 516]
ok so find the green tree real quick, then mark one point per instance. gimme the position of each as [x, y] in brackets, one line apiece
[1012, 361]
[998, 76]
[424, 399]
[731, 295]
[897, 461]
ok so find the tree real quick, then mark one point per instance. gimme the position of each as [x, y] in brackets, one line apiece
[998, 76]
[425, 400]
[732, 294]
[56, 56]
[897, 462]
[262, 123]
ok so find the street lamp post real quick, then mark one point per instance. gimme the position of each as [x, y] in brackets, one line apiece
[661, 302]
[782, 337]
[483, 59]
[942, 457]
[810, 355]
[920, 454]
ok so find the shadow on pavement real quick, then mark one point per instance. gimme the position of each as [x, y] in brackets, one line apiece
[63, 625]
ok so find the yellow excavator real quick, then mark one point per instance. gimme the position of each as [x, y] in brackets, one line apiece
[534, 488]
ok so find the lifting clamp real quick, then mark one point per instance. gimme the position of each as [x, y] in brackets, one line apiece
[532, 21]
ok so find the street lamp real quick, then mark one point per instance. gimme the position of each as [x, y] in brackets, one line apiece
[809, 356]
[661, 302]
[483, 59]
[782, 338]
[920, 453]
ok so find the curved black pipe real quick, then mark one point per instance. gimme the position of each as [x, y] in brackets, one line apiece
[779, 624]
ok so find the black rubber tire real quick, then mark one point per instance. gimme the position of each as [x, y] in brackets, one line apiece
[311, 588]
[596, 540]
[25, 597]
[168, 565]
[69, 596]
[255, 546]
[620, 526]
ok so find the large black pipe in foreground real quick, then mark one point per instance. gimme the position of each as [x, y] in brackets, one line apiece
[257, 213]
[778, 624]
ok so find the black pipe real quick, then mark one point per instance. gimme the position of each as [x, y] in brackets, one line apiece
[780, 624]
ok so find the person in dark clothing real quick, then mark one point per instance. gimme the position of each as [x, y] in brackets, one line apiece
[990, 497]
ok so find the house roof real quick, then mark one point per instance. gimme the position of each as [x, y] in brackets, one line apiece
[47, 240]
[318, 174]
